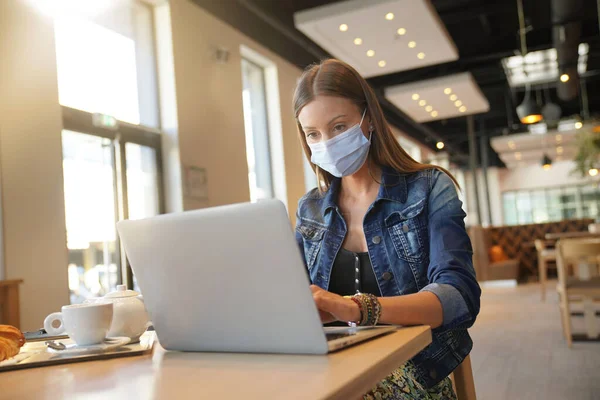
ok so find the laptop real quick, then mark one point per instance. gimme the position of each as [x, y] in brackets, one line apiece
[230, 279]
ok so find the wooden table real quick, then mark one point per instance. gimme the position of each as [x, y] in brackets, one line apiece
[346, 374]
[9, 302]
[571, 235]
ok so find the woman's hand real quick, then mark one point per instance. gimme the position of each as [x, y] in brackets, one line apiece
[333, 307]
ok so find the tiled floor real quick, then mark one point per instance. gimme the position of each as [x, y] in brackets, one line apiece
[520, 353]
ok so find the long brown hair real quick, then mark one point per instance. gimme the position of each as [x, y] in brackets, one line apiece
[336, 78]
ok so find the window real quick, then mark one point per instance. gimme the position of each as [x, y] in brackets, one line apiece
[551, 204]
[111, 151]
[256, 125]
[105, 63]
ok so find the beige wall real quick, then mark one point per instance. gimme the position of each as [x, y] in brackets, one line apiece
[210, 113]
[31, 162]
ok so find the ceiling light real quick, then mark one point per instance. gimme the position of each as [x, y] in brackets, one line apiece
[565, 78]
[512, 145]
[453, 97]
[415, 96]
[439, 145]
[422, 103]
[458, 103]
[401, 31]
[593, 172]
[412, 44]
[447, 90]
[381, 63]
[370, 53]
[558, 138]
[434, 114]
[546, 162]
[578, 125]
[559, 150]
[517, 155]
[358, 41]
[462, 109]
[551, 113]
[389, 16]
[343, 27]
[421, 56]
[528, 111]
[429, 109]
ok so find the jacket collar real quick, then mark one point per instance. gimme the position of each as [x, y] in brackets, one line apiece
[392, 188]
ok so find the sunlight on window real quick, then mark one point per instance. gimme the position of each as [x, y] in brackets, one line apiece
[96, 69]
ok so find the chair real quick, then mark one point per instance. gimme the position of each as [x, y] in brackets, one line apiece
[585, 255]
[9, 302]
[486, 269]
[545, 256]
[462, 377]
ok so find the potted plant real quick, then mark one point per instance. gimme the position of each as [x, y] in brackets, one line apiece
[587, 160]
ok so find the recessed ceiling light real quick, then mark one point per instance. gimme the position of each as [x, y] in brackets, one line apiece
[381, 63]
[518, 155]
[447, 90]
[428, 108]
[421, 56]
[343, 27]
[453, 97]
[434, 114]
[512, 145]
[558, 138]
[389, 16]
[559, 150]
[458, 103]
[578, 125]
[370, 53]
[415, 96]
[358, 41]
[422, 103]
[565, 78]
[462, 109]
[401, 31]
[439, 145]
[412, 44]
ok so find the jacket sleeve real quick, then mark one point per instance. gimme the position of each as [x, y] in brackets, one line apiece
[451, 273]
[299, 239]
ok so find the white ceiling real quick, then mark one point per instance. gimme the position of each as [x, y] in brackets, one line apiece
[366, 20]
[526, 149]
[462, 88]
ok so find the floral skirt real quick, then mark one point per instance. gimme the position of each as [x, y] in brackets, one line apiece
[402, 385]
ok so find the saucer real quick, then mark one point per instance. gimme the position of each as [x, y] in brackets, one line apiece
[108, 344]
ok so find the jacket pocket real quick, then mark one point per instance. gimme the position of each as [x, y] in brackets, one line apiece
[408, 231]
[312, 237]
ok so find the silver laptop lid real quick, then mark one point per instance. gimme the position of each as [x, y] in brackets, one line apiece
[225, 279]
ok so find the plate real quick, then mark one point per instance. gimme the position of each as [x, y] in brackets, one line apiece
[108, 344]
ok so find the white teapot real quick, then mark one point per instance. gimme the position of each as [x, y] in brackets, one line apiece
[130, 318]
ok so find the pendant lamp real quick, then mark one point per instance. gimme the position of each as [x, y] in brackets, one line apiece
[528, 111]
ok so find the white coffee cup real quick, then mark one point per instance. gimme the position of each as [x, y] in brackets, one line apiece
[86, 324]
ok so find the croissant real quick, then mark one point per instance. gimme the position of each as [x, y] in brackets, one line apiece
[11, 340]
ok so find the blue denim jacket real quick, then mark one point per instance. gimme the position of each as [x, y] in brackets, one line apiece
[417, 242]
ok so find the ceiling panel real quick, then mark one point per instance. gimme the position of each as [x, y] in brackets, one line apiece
[379, 37]
[441, 98]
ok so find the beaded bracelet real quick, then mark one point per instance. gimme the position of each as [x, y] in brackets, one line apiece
[370, 308]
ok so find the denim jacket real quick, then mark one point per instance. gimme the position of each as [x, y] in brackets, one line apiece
[417, 242]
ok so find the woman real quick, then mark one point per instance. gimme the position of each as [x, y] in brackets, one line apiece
[383, 237]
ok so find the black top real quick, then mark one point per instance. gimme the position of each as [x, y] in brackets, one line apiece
[352, 273]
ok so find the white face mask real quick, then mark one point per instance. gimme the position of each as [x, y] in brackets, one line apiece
[344, 154]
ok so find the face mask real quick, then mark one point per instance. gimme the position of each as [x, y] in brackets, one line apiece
[344, 154]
